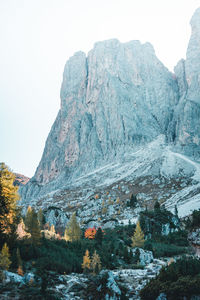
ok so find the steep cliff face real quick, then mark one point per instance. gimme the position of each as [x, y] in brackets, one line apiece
[117, 98]
[114, 102]
[188, 110]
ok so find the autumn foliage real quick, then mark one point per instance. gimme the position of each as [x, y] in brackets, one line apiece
[8, 201]
[90, 233]
[86, 265]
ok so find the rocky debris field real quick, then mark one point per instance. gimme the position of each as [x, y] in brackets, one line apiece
[80, 286]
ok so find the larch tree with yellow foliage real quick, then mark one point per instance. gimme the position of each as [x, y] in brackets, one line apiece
[4, 260]
[86, 265]
[96, 263]
[73, 230]
[32, 226]
[9, 212]
[138, 237]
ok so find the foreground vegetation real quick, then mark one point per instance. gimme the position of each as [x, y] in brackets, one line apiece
[29, 244]
[178, 280]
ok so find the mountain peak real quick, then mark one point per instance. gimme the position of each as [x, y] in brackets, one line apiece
[115, 102]
[195, 20]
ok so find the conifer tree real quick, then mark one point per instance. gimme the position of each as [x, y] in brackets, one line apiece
[126, 255]
[96, 263]
[136, 257]
[4, 259]
[32, 226]
[99, 236]
[157, 206]
[86, 265]
[176, 211]
[138, 237]
[9, 212]
[73, 230]
[133, 201]
[28, 218]
[41, 218]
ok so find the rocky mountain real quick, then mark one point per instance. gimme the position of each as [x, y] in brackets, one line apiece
[21, 179]
[187, 113]
[125, 125]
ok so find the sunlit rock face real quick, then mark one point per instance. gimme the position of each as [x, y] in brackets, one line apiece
[187, 117]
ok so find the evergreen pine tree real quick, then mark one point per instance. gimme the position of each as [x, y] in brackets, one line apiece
[9, 212]
[176, 211]
[73, 230]
[99, 236]
[126, 255]
[86, 265]
[157, 206]
[32, 226]
[95, 263]
[133, 201]
[138, 237]
[136, 257]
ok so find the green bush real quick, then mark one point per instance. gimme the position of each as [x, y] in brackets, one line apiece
[161, 249]
[196, 218]
[178, 280]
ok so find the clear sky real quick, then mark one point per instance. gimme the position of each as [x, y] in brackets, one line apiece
[38, 36]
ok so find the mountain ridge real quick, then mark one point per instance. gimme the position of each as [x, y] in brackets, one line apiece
[115, 101]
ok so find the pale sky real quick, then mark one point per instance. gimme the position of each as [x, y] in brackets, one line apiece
[38, 36]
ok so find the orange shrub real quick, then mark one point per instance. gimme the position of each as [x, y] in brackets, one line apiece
[90, 233]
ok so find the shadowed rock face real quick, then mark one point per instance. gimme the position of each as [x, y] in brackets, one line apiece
[117, 99]
[188, 110]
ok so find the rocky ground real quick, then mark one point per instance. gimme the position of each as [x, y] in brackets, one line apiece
[81, 286]
[102, 196]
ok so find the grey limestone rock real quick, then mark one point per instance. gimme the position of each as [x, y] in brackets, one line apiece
[146, 257]
[187, 113]
[119, 98]
[55, 216]
[162, 296]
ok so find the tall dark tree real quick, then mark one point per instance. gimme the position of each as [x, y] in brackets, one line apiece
[157, 206]
[133, 201]
[99, 236]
